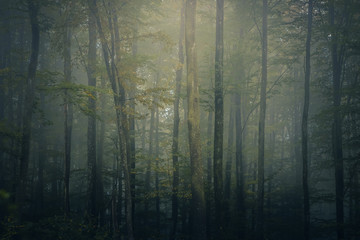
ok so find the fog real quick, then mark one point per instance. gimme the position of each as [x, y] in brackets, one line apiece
[179, 119]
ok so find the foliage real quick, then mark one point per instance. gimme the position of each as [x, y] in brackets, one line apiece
[56, 227]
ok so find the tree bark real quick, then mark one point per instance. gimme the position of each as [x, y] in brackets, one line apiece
[198, 213]
[42, 159]
[219, 120]
[261, 143]
[337, 125]
[41, 139]
[297, 132]
[240, 166]
[33, 9]
[119, 104]
[209, 175]
[304, 127]
[116, 197]
[148, 165]
[209, 171]
[68, 114]
[132, 134]
[157, 185]
[175, 140]
[100, 157]
[91, 131]
[229, 155]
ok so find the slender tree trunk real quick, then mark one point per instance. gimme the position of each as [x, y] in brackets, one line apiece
[209, 155]
[260, 190]
[91, 131]
[175, 142]
[219, 121]
[229, 159]
[132, 134]
[41, 140]
[240, 167]
[143, 130]
[42, 158]
[124, 139]
[337, 126]
[119, 196]
[33, 9]
[209, 183]
[148, 165]
[304, 127]
[157, 185]
[16, 148]
[254, 178]
[121, 118]
[296, 123]
[198, 213]
[100, 156]
[68, 114]
[4, 56]
[115, 200]
[272, 148]
[121, 105]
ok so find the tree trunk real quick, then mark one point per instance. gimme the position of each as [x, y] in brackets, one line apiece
[260, 165]
[198, 213]
[41, 140]
[272, 147]
[132, 134]
[229, 159]
[175, 142]
[124, 140]
[33, 9]
[100, 156]
[148, 165]
[304, 127]
[119, 103]
[240, 167]
[42, 159]
[91, 131]
[5, 39]
[296, 127]
[116, 199]
[68, 114]
[157, 186]
[337, 125]
[209, 172]
[209, 155]
[219, 120]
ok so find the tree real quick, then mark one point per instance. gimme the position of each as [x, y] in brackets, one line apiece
[134, 51]
[68, 108]
[337, 64]
[304, 126]
[124, 137]
[239, 165]
[261, 140]
[148, 163]
[132, 147]
[219, 118]
[33, 9]
[119, 103]
[229, 158]
[198, 213]
[157, 187]
[175, 140]
[91, 131]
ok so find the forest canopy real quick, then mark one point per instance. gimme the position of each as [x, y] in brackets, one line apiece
[180, 119]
